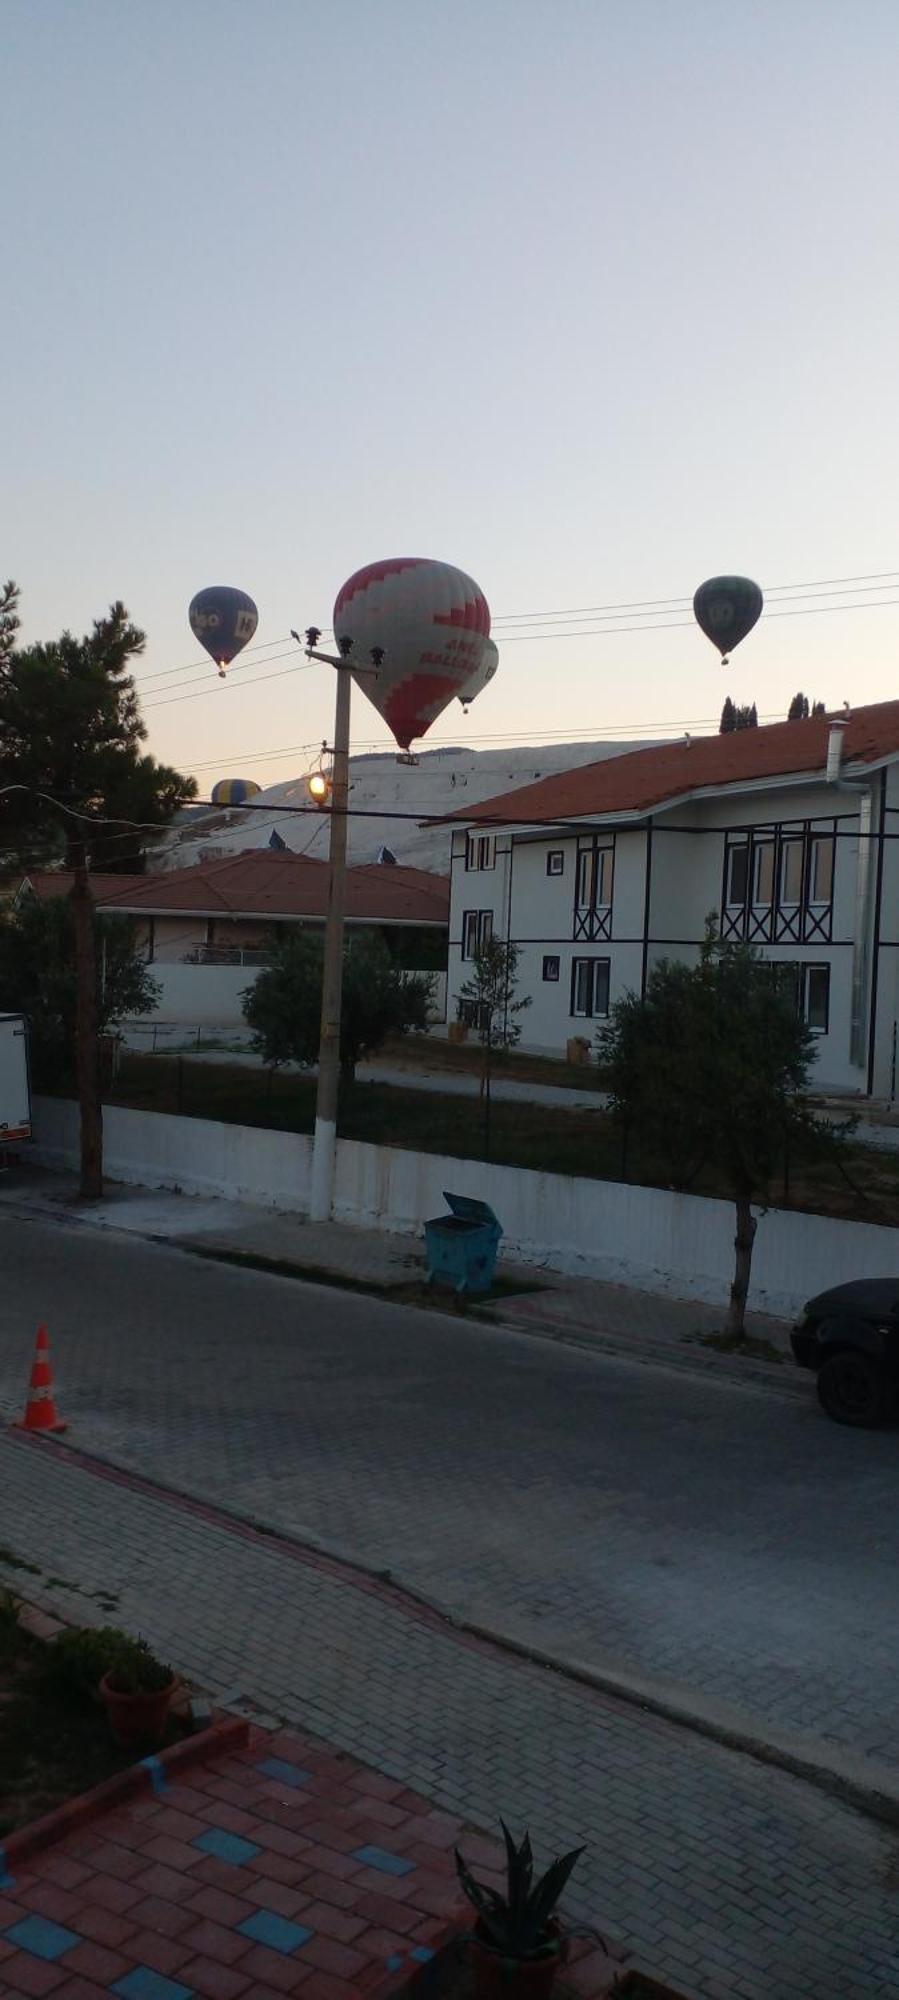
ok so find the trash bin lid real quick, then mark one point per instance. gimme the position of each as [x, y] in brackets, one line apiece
[470, 1209]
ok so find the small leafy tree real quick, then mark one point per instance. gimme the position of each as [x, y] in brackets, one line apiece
[489, 996]
[37, 978]
[710, 1067]
[283, 1008]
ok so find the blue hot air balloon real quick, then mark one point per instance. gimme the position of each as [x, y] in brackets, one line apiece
[725, 609]
[224, 621]
[234, 791]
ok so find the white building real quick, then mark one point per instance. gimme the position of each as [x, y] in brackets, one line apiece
[789, 834]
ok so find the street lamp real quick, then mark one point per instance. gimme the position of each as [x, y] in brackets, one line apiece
[324, 1145]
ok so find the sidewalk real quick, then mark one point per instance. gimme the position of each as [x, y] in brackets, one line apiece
[280, 1867]
[586, 1312]
[726, 1877]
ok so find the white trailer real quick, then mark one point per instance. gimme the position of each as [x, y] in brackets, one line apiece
[15, 1090]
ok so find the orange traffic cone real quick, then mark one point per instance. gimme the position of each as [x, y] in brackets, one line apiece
[40, 1409]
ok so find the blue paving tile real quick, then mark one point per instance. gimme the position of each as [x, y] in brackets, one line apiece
[156, 1768]
[226, 1846]
[422, 1952]
[265, 1928]
[142, 1984]
[41, 1938]
[378, 1857]
[287, 1774]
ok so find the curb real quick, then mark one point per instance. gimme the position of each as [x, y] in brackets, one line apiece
[151, 1773]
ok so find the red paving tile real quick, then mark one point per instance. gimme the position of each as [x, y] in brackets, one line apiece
[104, 1926]
[220, 1906]
[271, 1968]
[164, 1954]
[23, 1974]
[97, 1962]
[215, 1982]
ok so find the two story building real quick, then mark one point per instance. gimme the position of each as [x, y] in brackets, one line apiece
[789, 834]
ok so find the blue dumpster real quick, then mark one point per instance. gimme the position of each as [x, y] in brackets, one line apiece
[461, 1247]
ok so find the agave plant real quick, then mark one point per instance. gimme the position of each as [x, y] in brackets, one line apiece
[516, 1925]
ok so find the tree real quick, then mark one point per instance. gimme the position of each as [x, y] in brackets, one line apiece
[75, 785]
[37, 978]
[800, 708]
[733, 717]
[710, 1068]
[489, 996]
[284, 1006]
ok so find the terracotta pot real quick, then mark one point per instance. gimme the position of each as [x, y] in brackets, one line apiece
[137, 1721]
[498, 1978]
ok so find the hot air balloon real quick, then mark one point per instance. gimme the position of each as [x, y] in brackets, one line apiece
[483, 675]
[224, 621]
[432, 624]
[725, 609]
[234, 791]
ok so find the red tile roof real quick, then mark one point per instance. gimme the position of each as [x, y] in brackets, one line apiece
[264, 884]
[662, 773]
[48, 882]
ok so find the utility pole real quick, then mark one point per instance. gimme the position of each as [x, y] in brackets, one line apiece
[324, 1147]
[87, 1030]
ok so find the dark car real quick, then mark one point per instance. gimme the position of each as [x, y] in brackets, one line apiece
[850, 1335]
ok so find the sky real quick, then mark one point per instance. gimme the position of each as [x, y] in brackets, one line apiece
[592, 298]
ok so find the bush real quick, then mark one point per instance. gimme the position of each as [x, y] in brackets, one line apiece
[78, 1659]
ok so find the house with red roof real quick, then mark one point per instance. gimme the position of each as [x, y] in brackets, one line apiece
[787, 834]
[200, 928]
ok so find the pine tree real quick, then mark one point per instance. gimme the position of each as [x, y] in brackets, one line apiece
[728, 718]
[73, 780]
[798, 709]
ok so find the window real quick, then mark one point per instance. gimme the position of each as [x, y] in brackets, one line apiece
[477, 928]
[475, 1014]
[590, 987]
[816, 997]
[790, 890]
[808, 989]
[594, 878]
[736, 876]
[551, 968]
[555, 862]
[480, 851]
[763, 873]
[820, 872]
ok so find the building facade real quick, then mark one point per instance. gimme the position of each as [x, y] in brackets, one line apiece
[788, 835]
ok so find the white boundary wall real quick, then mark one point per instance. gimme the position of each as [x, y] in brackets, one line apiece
[670, 1243]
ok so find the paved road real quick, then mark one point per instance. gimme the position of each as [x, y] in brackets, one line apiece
[725, 1537]
[729, 1878]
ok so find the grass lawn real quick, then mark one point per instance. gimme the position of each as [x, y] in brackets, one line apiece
[432, 1052]
[582, 1141]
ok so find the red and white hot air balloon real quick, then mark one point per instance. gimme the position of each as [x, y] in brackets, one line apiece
[432, 623]
[482, 676]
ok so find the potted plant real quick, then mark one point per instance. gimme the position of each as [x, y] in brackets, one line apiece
[137, 1691]
[518, 1943]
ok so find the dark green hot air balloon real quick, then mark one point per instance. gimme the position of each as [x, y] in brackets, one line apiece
[725, 609]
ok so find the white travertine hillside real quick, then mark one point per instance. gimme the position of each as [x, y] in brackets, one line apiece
[443, 781]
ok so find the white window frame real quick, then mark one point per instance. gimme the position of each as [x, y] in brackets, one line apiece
[590, 1011]
[555, 856]
[480, 852]
[477, 929]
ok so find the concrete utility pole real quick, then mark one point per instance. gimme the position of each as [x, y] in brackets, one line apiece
[324, 1146]
[324, 1149]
